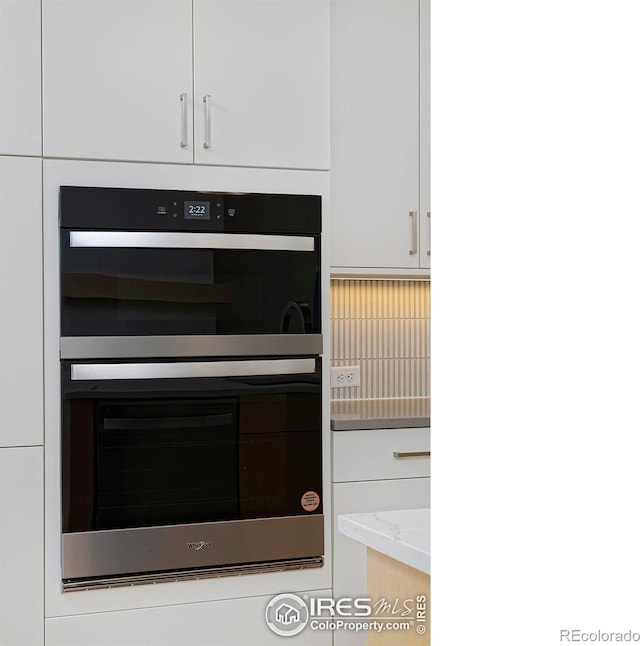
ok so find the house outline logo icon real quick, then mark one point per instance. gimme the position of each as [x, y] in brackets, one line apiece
[287, 615]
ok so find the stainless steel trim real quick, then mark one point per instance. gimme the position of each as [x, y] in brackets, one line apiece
[184, 240]
[207, 121]
[191, 369]
[147, 550]
[414, 233]
[411, 454]
[185, 135]
[232, 345]
[190, 575]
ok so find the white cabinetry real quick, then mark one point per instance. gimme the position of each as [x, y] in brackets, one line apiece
[367, 478]
[265, 66]
[20, 77]
[378, 84]
[222, 623]
[118, 81]
[21, 416]
[425, 134]
[113, 75]
[21, 547]
[381, 454]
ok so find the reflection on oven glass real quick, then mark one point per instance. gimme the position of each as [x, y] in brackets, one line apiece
[184, 291]
[280, 451]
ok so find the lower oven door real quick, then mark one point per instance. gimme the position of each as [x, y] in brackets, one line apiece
[173, 469]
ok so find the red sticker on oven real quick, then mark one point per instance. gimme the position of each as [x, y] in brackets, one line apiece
[310, 501]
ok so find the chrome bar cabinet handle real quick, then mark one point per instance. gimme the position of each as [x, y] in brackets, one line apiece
[411, 454]
[207, 121]
[414, 233]
[184, 142]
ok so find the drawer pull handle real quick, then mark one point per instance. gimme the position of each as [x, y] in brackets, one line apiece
[185, 135]
[411, 454]
[207, 121]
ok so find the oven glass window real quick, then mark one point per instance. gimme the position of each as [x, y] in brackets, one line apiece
[127, 292]
[164, 464]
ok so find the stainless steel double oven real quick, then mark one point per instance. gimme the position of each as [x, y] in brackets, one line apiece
[191, 384]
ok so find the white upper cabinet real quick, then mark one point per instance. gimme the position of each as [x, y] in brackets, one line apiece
[263, 66]
[377, 219]
[118, 81]
[425, 134]
[114, 72]
[20, 123]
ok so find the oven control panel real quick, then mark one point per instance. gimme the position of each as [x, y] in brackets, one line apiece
[135, 209]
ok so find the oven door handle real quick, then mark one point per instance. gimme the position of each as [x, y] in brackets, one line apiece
[191, 369]
[186, 240]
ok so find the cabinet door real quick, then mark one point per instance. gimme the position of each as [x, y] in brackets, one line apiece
[20, 77]
[21, 416]
[113, 75]
[265, 66]
[425, 134]
[21, 547]
[374, 133]
[350, 557]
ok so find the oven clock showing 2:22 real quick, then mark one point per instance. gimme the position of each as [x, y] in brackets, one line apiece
[197, 210]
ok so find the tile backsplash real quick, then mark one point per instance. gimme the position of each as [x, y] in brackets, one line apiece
[384, 327]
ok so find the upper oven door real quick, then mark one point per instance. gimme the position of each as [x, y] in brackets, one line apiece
[151, 283]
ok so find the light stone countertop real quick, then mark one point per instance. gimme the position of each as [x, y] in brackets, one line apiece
[402, 535]
[369, 414]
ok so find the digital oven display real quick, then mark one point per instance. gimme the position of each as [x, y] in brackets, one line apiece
[197, 210]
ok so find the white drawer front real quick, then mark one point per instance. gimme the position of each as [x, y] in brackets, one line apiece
[381, 454]
[233, 622]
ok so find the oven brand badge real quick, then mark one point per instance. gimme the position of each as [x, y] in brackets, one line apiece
[198, 545]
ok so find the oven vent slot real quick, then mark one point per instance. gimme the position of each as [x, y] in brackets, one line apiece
[72, 585]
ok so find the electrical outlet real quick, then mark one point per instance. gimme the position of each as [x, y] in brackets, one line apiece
[345, 377]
